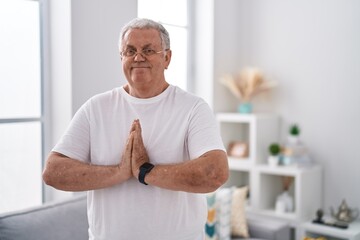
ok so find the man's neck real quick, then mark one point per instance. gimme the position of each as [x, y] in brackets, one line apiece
[145, 92]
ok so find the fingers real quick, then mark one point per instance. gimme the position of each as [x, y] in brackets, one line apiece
[125, 167]
[133, 125]
[129, 144]
[138, 152]
[138, 137]
[133, 153]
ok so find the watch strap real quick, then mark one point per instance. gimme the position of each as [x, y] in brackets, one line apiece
[144, 169]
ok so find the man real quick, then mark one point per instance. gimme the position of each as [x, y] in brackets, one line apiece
[143, 151]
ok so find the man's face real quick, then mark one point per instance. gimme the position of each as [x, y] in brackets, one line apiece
[140, 70]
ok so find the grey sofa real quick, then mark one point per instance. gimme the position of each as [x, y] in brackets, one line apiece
[52, 221]
[67, 219]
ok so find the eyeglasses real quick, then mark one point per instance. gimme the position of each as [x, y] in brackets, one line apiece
[144, 53]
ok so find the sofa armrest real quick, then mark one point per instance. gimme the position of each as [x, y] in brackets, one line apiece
[56, 221]
[269, 229]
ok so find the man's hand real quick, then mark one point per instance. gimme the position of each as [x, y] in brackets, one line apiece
[138, 153]
[125, 163]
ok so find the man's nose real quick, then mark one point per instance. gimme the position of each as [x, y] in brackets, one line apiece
[139, 57]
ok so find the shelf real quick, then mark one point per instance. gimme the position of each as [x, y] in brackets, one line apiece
[285, 170]
[239, 164]
[272, 213]
[317, 230]
[243, 118]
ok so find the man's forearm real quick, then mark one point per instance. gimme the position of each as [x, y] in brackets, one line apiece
[204, 174]
[67, 174]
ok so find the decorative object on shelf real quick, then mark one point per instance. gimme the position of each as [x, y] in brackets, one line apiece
[284, 203]
[245, 107]
[238, 149]
[294, 151]
[245, 85]
[294, 134]
[287, 181]
[319, 216]
[344, 213]
[274, 151]
[331, 223]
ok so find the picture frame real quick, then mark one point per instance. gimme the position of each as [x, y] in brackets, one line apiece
[238, 149]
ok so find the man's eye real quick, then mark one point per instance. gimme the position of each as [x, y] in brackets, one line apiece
[130, 52]
[148, 51]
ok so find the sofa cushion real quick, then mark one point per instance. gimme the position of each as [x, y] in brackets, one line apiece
[239, 226]
[56, 221]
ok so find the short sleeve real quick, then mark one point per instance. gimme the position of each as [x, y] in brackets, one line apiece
[203, 132]
[75, 142]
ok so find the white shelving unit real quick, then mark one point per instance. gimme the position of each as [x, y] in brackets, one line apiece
[259, 131]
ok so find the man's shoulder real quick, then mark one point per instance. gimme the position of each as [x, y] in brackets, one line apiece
[184, 95]
[107, 95]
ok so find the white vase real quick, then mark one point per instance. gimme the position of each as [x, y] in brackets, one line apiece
[293, 139]
[289, 203]
[280, 206]
[273, 161]
[284, 203]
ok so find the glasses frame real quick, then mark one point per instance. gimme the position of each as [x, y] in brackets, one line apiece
[142, 53]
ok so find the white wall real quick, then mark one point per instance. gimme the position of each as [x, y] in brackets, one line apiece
[96, 65]
[312, 48]
[204, 50]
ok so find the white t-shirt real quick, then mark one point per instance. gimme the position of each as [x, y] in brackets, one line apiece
[176, 126]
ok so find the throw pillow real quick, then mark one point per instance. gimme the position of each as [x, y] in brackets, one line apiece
[239, 227]
[223, 199]
[210, 231]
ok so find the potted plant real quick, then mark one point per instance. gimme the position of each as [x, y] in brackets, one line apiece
[274, 151]
[294, 133]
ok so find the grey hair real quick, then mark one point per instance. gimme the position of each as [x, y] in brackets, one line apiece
[144, 23]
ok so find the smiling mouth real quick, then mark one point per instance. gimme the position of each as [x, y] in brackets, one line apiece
[139, 69]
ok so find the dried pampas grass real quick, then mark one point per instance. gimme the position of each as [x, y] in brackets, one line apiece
[248, 83]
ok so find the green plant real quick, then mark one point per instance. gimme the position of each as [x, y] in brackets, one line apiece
[294, 130]
[274, 149]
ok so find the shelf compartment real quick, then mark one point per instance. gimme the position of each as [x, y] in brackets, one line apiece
[271, 187]
[258, 130]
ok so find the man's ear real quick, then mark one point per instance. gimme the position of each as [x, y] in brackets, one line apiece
[168, 58]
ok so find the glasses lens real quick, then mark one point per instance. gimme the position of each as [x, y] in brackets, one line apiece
[148, 52]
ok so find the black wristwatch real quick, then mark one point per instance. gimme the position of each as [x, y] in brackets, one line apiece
[145, 169]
